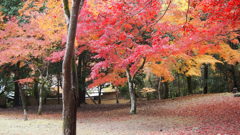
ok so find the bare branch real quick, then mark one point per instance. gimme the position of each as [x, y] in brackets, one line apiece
[187, 14]
[187, 11]
[163, 13]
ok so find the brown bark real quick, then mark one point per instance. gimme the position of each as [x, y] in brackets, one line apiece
[69, 89]
[235, 85]
[16, 90]
[166, 90]
[117, 95]
[58, 88]
[178, 85]
[133, 108]
[159, 88]
[40, 98]
[82, 77]
[35, 90]
[99, 94]
[16, 94]
[205, 88]
[189, 84]
[24, 105]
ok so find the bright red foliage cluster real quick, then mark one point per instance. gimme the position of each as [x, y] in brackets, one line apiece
[127, 32]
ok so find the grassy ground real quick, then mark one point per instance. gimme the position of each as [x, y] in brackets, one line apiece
[210, 114]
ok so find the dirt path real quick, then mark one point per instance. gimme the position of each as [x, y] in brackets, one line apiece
[210, 114]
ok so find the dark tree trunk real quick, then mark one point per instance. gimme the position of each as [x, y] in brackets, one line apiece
[205, 88]
[132, 94]
[99, 94]
[189, 84]
[82, 78]
[235, 85]
[16, 94]
[40, 99]
[178, 85]
[159, 88]
[16, 89]
[162, 90]
[117, 95]
[69, 90]
[24, 105]
[82, 93]
[166, 90]
[91, 99]
[35, 91]
[58, 89]
[75, 79]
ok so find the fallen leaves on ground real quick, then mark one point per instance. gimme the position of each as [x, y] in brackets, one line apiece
[211, 114]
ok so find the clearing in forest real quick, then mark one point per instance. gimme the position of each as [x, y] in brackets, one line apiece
[209, 114]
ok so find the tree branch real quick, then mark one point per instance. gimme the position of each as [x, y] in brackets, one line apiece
[187, 11]
[66, 10]
[141, 67]
[163, 13]
[187, 14]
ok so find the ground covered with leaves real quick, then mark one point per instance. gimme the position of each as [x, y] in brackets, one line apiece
[212, 114]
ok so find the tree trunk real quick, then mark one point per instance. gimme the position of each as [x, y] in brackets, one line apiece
[117, 95]
[235, 85]
[75, 80]
[166, 90]
[189, 84]
[16, 94]
[178, 85]
[35, 91]
[82, 78]
[16, 91]
[205, 88]
[159, 88]
[99, 94]
[133, 108]
[58, 89]
[40, 98]
[91, 98]
[24, 106]
[69, 90]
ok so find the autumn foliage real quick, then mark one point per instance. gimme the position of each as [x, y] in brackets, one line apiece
[118, 41]
[122, 34]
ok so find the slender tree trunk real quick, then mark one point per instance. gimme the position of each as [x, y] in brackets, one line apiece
[80, 75]
[16, 94]
[58, 89]
[166, 90]
[162, 90]
[91, 98]
[178, 85]
[99, 94]
[35, 91]
[189, 84]
[117, 95]
[69, 90]
[24, 106]
[133, 108]
[205, 89]
[40, 99]
[16, 91]
[159, 88]
[82, 78]
[235, 85]
[82, 94]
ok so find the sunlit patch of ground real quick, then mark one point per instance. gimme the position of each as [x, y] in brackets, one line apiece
[210, 114]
